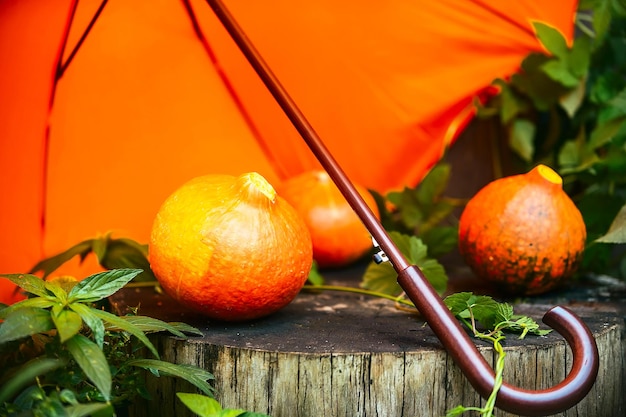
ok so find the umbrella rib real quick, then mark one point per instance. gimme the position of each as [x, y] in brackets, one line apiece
[229, 86]
[63, 65]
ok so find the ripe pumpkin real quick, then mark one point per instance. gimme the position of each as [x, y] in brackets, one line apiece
[523, 233]
[339, 237]
[229, 247]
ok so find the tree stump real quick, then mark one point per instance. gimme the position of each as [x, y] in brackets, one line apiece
[338, 354]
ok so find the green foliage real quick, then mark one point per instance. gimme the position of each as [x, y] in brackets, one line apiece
[423, 211]
[208, 407]
[494, 319]
[383, 278]
[567, 109]
[65, 356]
[111, 254]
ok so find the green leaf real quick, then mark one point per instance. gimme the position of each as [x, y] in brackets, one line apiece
[126, 253]
[440, 240]
[569, 155]
[91, 409]
[617, 231]
[604, 132]
[560, 72]
[192, 374]
[200, 404]
[383, 278]
[26, 375]
[572, 101]
[37, 302]
[552, 39]
[29, 283]
[434, 184]
[580, 56]
[483, 308]
[149, 324]
[49, 265]
[25, 322]
[91, 320]
[102, 285]
[522, 137]
[67, 322]
[315, 278]
[125, 325]
[92, 361]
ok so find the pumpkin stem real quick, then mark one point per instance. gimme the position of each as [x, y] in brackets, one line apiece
[255, 182]
[549, 174]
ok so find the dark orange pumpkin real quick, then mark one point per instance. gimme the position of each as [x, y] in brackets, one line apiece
[523, 233]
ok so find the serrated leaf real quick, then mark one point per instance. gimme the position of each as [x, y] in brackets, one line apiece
[37, 302]
[149, 324]
[29, 283]
[617, 230]
[192, 374]
[26, 375]
[25, 322]
[482, 308]
[522, 137]
[92, 321]
[102, 285]
[57, 290]
[458, 302]
[381, 278]
[200, 404]
[67, 322]
[435, 274]
[552, 39]
[49, 265]
[440, 240]
[93, 363]
[123, 324]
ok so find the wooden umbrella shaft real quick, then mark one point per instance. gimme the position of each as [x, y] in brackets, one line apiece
[456, 341]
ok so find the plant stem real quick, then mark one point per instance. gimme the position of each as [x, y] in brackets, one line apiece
[355, 290]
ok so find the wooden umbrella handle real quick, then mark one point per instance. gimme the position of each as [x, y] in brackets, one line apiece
[449, 331]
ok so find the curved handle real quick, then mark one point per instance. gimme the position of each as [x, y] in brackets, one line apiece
[444, 324]
[480, 374]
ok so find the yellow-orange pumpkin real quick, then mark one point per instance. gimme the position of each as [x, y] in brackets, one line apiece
[339, 237]
[523, 232]
[230, 247]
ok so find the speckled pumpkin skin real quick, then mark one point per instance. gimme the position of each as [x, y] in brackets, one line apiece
[523, 233]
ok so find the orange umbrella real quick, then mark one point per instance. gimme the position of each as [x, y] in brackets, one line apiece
[98, 130]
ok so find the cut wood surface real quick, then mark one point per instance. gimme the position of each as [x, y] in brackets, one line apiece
[337, 354]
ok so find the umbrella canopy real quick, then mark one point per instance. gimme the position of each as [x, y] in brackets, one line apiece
[97, 130]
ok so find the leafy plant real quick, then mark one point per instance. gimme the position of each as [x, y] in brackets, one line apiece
[567, 109]
[111, 254]
[66, 356]
[494, 319]
[423, 211]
